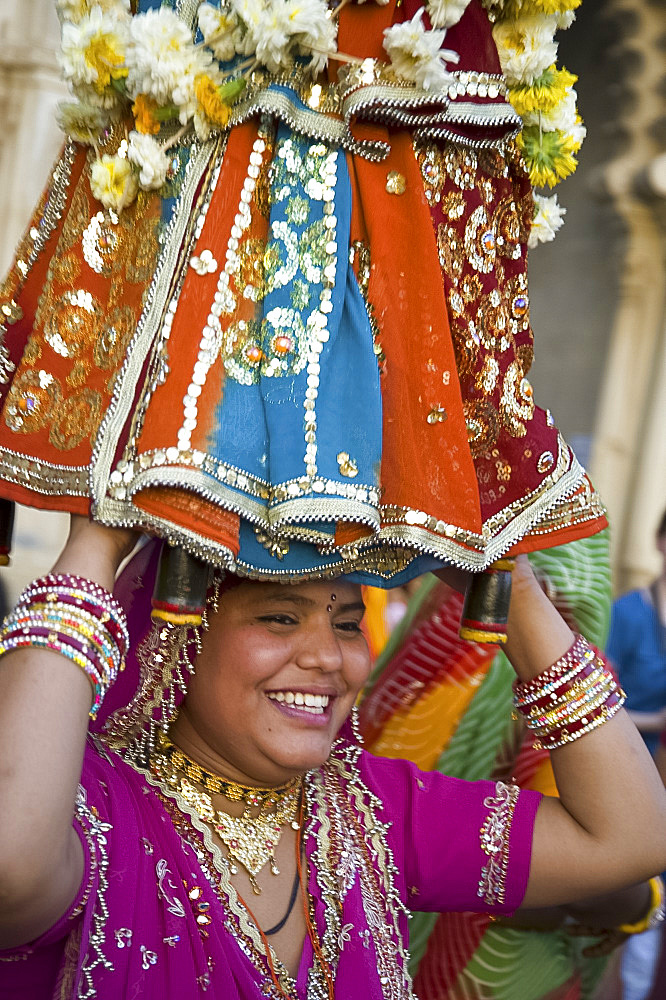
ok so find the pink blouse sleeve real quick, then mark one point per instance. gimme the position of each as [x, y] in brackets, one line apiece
[31, 969]
[457, 845]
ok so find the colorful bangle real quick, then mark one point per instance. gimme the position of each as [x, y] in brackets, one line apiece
[88, 610]
[579, 655]
[656, 913]
[45, 597]
[73, 654]
[64, 619]
[76, 618]
[76, 591]
[573, 697]
[577, 651]
[102, 666]
[579, 701]
[576, 677]
[68, 625]
[578, 728]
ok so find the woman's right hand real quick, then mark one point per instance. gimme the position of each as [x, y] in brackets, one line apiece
[95, 551]
[44, 704]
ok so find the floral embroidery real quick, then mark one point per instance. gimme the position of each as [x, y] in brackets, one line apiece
[42, 225]
[353, 810]
[344, 936]
[350, 845]
[148, 958]
[80, 337]
[95, 830]
[123, 937]
[482, 204]
[164, 884]
[495, 835]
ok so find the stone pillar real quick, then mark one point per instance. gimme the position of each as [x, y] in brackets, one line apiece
[629, 453]
[30, 88]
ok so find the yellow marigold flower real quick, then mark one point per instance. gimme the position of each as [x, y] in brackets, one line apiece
[549, 156]
[518, 8]
[544, 93]
[114, 182]
[102, 56]
[144, 109]
[215, 109]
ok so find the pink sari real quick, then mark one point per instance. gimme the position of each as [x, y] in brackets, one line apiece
[158, 917]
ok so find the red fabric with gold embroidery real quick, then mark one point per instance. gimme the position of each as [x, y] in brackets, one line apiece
[405, 290]
[77, 323]
[470, 467]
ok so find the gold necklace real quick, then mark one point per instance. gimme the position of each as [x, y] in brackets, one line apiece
[252, 838]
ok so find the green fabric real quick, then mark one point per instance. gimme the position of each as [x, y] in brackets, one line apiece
[511, 964]
[580, 573]
[421, 927]
[482, 730]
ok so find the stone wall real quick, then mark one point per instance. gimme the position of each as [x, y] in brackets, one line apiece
[598, 292]
[30, 88]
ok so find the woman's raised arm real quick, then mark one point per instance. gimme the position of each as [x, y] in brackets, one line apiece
[45, 701]
[608, 828]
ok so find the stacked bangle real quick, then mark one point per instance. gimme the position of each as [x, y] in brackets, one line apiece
[77, 618]
[577, 694]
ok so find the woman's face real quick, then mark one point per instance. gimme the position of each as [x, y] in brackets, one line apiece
[278, 674]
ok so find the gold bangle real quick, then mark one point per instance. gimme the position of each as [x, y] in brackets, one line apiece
[654, 915]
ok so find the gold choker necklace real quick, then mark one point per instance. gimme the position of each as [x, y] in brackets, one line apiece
[251, 840]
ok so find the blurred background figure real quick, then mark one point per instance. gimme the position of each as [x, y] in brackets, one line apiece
[637, 647]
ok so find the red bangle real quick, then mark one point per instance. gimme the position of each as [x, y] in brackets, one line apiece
[577, 694]
[567, 734]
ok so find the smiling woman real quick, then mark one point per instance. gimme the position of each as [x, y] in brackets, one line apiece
[229, 833]
[273, 309]
[278, 674]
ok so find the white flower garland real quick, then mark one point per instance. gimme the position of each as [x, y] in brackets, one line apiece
[548, 218]
[526, 47]
[149, 62]
[417, 55]
[543, 96]
[446, 13]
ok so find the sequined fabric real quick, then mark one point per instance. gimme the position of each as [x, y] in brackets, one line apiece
[308, 354]
[158, 914]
